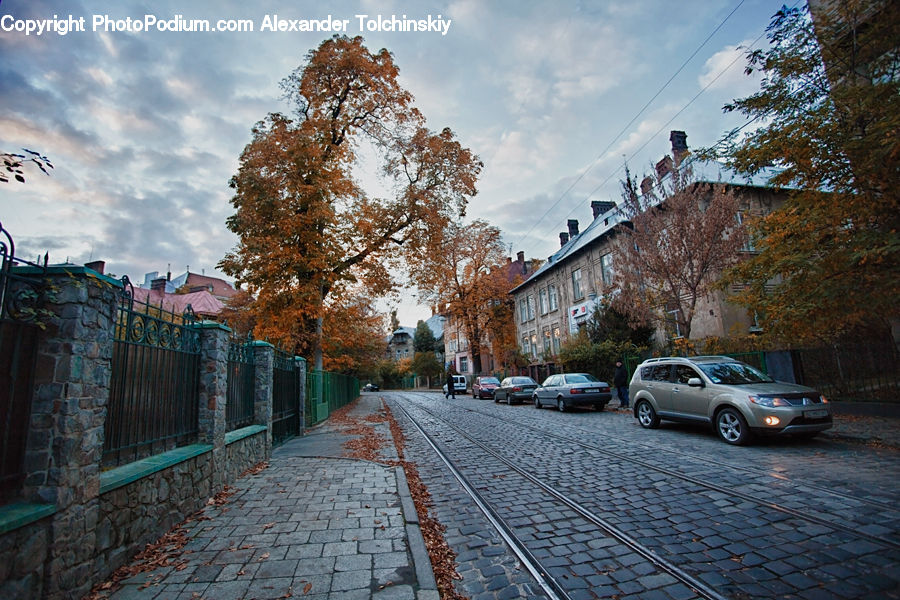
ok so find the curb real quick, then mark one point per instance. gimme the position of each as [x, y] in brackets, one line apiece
[421, 560]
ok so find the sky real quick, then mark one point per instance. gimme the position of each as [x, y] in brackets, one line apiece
[145, 127]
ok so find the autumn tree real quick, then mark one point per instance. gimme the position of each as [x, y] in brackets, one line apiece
[306, 229]
[354, 339]
[238, 314]
[683, 234]
[463, 270]
[829, 104]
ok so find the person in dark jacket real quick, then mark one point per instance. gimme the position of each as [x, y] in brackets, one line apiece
[451, 393]
[620, 380]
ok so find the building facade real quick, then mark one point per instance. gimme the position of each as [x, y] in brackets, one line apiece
[559, 298]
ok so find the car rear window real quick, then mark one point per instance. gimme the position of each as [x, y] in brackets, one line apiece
[493, 380]
[522, 381]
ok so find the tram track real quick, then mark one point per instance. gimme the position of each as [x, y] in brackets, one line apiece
[550, 585]
[693, 457]
[834, 523]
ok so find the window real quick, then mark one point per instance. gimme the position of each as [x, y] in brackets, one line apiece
[546, 337]
[534, 346]
[655, 372]
[577, 292]
[526, 345]
[551, 293]
[523, 311]
[452, 345]
[556, 340]
[463, 364]
[543, 301]
[748, 246]
[530, 307]
[606, 268]
[683, 373]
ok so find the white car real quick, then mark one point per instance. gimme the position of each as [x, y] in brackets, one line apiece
[459, 385]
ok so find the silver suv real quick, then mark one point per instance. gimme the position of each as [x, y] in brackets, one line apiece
[737, 399]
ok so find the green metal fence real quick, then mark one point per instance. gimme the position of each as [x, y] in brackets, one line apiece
[327, 392]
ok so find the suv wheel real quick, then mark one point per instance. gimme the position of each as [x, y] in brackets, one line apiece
[731, 427]
[646, 416]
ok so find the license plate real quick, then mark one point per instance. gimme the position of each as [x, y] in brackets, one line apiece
[591, 391]
[815, 414]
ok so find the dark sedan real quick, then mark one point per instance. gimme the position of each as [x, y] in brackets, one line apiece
[515, 389]
[566, 390]
[484, 387]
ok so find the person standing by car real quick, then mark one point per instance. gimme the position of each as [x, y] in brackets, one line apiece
[451, 385]
[620, 380]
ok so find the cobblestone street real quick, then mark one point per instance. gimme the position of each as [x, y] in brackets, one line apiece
[671, 513]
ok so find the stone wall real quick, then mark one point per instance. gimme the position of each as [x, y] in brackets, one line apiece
[71, 524]
[136, 514]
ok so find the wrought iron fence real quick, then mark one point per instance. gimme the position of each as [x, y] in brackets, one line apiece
[239, 410]
[327, 392]
[154, 387]
[20, 319]
[851, 372]
[286, 392]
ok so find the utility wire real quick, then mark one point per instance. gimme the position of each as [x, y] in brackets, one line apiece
[660, 130]
[633, 119]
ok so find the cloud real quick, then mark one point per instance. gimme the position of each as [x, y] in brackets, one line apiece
[724, 70]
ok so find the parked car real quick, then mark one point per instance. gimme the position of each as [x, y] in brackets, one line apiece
[484, 387]
[515, 389]
[370, 387]
[738, 400]
[459, 385]
[566, 390]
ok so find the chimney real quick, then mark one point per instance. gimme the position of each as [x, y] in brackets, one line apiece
[646, 185]
[97, 265]
[563, 239]
[679, 145]
[158, 285]
[520, 257]
[573, 227]
[509, 260]
[664, 167]
[599, 207]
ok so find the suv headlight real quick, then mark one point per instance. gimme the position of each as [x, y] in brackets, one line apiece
[768, 401]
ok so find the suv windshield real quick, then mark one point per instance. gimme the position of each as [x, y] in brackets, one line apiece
[733, 373]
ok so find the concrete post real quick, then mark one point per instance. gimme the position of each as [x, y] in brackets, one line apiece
[65, 443]
[214, 339]
[264, 359]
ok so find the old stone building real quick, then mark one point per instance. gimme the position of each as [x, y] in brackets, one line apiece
[558, 299]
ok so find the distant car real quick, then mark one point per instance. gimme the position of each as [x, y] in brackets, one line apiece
[572, 389]
[517, 388]
[370, 387]
[484, 387]
[459, 385]
[738, 400]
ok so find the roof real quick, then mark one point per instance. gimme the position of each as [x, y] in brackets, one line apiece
[703, 170]
[218, 287]
[436, 324]
[202, 303]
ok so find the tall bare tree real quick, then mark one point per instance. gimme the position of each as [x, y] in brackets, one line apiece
[683, 233]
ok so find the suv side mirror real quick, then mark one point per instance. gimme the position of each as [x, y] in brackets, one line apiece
[695, 382]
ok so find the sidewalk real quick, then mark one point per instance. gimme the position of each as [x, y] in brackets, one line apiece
[314, 525]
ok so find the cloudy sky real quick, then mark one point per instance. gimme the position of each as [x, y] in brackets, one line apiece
[145, 128]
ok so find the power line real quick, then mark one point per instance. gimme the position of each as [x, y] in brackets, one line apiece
[625, 128]
[660, 130]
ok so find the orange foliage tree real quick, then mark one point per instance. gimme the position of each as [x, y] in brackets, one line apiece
[463, 270]
[308, 233]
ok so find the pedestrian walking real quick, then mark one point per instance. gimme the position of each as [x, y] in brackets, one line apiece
[451, 393]
[620, 380]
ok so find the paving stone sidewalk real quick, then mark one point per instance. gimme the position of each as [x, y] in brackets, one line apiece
[313, 525]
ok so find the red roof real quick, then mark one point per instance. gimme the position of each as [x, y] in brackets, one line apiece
[219, 287]
[203, 303]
